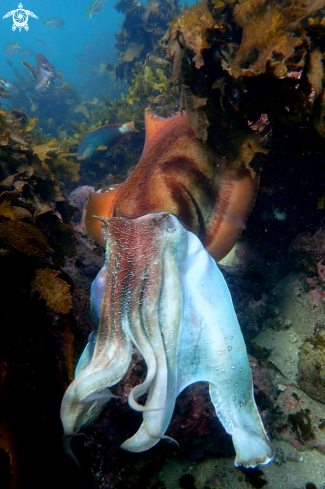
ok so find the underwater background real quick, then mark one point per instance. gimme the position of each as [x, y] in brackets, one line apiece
[250, 75]
[94, 38]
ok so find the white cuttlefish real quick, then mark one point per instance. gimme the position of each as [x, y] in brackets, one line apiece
[162, 292]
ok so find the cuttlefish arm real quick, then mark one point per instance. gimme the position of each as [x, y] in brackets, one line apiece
[173, 304]
[167, 316]
[105, 359]
[120, 318]
[212, 349]
[180, 175]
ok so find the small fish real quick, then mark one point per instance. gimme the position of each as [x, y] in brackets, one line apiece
[96, 7]
[105, 136]
[82, 70]
[9, 62]
[54, 22]
[5, 85]
[27, 52]
[11, 49]
[42, 43]
[82, 58]
[44, 72]
[87, 47]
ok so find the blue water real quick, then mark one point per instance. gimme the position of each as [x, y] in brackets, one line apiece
[62, 44]
[93, 38]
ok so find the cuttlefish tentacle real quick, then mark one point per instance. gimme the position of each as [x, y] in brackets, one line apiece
[140, 340]
[143, 281]
[186, 318]
[138, 271]
[113, 346]
[165, 313]
[169, 322]
[85, 397]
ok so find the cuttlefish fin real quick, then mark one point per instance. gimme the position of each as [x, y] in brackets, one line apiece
[99, 204]
[153, 125]
[228, 219]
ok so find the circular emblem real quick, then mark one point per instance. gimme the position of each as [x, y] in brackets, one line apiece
[20, 19]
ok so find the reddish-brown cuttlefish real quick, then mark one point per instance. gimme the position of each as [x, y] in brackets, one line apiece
[160, 290]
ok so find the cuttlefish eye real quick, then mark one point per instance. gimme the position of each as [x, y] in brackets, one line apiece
[171, 226]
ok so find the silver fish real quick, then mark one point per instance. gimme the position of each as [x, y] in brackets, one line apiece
[54, 22]
[96, 7]
[11, 49]
[44, 72]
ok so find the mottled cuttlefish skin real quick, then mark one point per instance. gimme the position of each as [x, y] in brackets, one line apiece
[179, 174]
[161, 291]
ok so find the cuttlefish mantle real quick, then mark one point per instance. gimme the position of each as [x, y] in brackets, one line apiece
[179, 174]
[160, 291]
